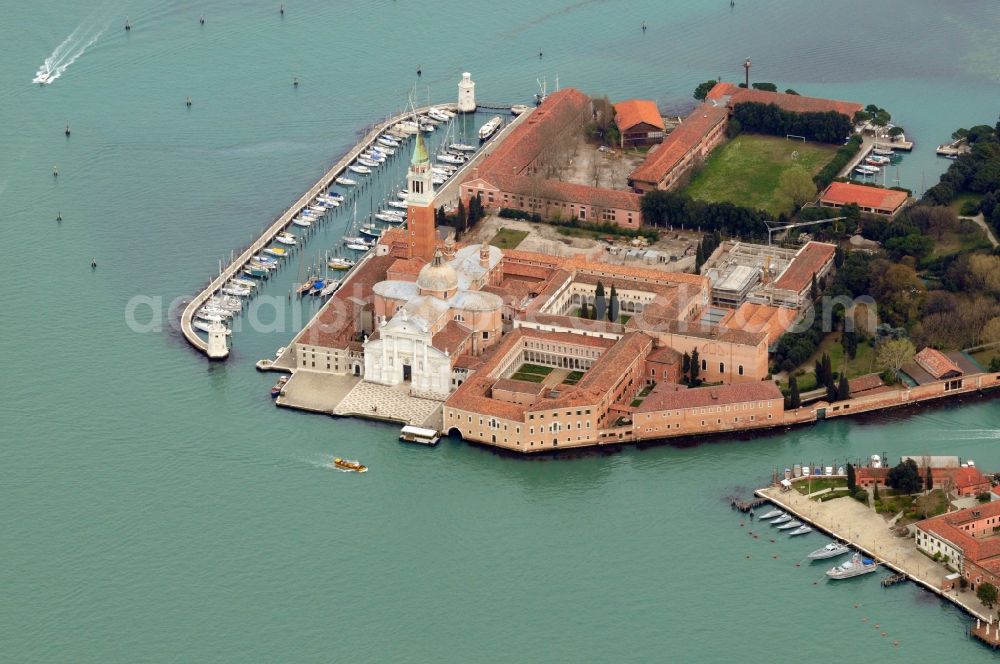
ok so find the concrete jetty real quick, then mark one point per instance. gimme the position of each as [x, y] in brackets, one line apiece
[856, 524]
[282, 223]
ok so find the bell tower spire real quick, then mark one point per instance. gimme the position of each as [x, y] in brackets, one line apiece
[421, 232]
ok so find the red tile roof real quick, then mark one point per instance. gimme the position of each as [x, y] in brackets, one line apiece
[633, 112]
[792, 103]
[555, 190]
[864, 383]
[949, 527]
[451, 338]
[844, 193]
[519, 386]
[936, 363]
[809, 261]
[670, 398]
[682, 140]
[523, 145]
[751, 317]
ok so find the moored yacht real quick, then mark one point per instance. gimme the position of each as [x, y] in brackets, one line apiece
[856, 566]
[345, 182]
[831, 550]
[490, 127]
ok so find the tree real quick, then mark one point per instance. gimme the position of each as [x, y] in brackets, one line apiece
[613, 305]
[600, 304]
[831, 390]
[838, 257]
[895, 132]
[813, 288]
[703, 89]
[875, 491]
[849, 340]
[844, 389]
[685, 366]
[790, 91]
[928, 479]
[852, 479]
[695, 367]
[461, 219]
[794, 399]
[891, 355]
[699, 258]
[767, 87]
[584, 313]
[795, 188]
[905, 477]
[987, 593]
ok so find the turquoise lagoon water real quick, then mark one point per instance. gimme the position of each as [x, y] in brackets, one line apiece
[158, 508]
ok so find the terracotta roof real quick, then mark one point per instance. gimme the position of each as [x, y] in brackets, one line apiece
[519, 149]
[750, 317]
[843, 193]
[469, 362]
[451, 337]
[404, 267]
[519, 386]
[669, 398]
[949, 527]
[555, 190]
[936, 363]
[865, 383]
[337, 323]
[962, 478]
[697, 330]
[793, 103]
[632, 112]
[686, 137]
[664, 355]
[808, 261]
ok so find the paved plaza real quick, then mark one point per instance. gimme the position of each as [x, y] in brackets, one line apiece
[387, 403]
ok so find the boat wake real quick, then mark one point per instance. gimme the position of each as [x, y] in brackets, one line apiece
[70, 50]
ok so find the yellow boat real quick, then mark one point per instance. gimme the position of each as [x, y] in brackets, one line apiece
[347, 464]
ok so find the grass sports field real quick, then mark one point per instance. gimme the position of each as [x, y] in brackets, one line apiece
[745, 170]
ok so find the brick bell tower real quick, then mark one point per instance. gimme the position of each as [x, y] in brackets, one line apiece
[421, 234]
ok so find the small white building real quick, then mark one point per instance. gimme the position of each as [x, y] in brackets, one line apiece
[466, 94]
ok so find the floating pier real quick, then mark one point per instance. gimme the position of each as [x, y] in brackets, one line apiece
[282, 223]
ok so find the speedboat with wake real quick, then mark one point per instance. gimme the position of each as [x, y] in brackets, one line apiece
[831, 550]
[349, 466]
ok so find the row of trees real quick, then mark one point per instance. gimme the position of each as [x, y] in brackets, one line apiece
[691, 368]
[604, 307]
[824, 127]
[668, 208]
[462, 219]
[708, 244]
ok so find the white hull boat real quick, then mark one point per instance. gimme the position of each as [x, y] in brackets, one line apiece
[490, 127]
[517, 109]
[397, 204]
[770, 515]
[801, 530]
[388, 142]
[831, 550]
[205, 326]
[789, 525]
[781, 519]
[340, 264]
[389, 218]
[450, 159]
[357, 247]
[462, 147]
[302, 221]
[856, 566]
[367, 163]
[363, 170]
[346, 182]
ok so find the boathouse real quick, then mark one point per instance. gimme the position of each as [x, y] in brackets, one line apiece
[639, 123]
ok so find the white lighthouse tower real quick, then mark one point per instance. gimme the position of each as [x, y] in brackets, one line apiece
[466, 94]
[218, 349]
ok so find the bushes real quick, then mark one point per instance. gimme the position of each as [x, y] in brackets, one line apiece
[840, 159]
[826, 127]
[969, 209]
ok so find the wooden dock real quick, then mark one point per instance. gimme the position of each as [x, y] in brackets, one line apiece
[746, 506]
[281, 223]
[987, 632]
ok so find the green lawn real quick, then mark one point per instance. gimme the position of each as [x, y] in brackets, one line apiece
[534, 369]
[863, 362]
[529, 377]
[745, 170]
[508, 239]
[806, 486]
[573, 377]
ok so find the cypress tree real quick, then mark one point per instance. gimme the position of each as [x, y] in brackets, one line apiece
[584, 313]
[929, 479]
[844, 389]
[827, 369]
[699, 258]
[685, 366]
[613, 305]
[794, 400]
[875, 492]
[813, 288]
[831, 390]
[600, 305]
[695, 366]
[852, 479]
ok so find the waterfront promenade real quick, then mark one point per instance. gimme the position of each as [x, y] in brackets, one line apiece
[858, 525]
[281, 223]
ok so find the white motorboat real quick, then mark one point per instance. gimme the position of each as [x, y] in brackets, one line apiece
[286, 239]
[304, 222]
[329, 201]
[335, 195]
[427, 127]
[770, 515]
[865, 169]
[517, 109]
[213, 313]
[42, 77]
[831, 550]
[856, 566]
[357, 247]
[784, 518]
[377, 157]
[329, 288]
[789, 525]
[883, 152]
[367, 162]
[490, 127]
[388, 142]
[235, 291]
[358, 168]
[319, 210]
[246, 283]
[450, 158]
[346, 182]
[377, 149]
[435, 114]
[408, 127]
[462, 147]
[225, 302]
[448, 115]
[401, 195]
[876, 160]
[356, 240]
[801, 530]
[205, 325]
[201, 314]
[438, 180]
[389, 218]
[442, 171]
[397, 204]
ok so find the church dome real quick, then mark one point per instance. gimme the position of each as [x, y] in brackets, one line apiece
[437, 277]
